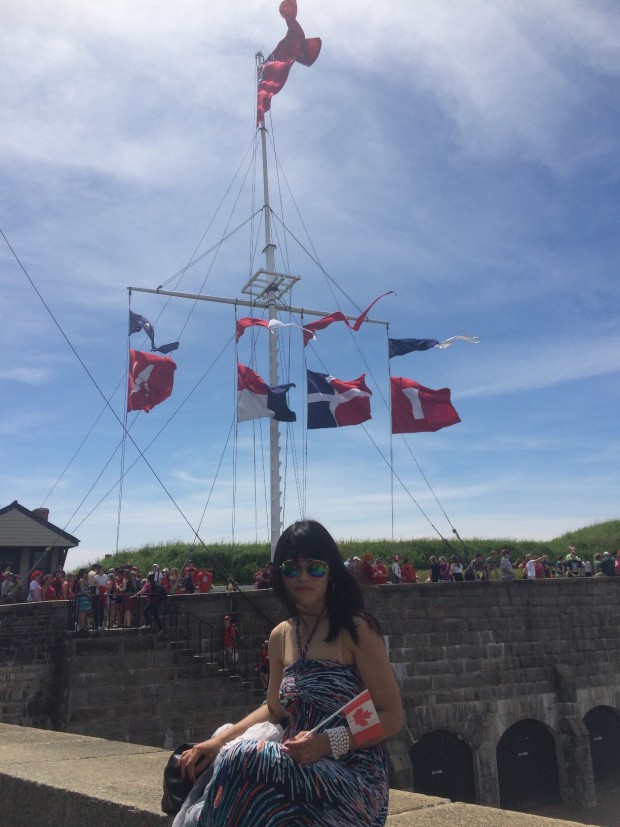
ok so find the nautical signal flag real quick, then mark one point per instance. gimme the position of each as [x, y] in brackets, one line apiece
[333, 403]
[363, 719]
[293, 48]
[337, 316]
[256, 398]
[138, 323]
[416, 409]
[249, 321]
[150, 380]
[399, 347]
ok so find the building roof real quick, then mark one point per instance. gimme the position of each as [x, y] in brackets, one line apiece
[20, 527]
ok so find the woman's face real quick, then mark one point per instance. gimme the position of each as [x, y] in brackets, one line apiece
[307, 590]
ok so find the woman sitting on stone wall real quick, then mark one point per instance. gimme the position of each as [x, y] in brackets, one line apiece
[321, 658]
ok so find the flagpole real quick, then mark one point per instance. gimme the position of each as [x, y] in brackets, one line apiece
[271, 296]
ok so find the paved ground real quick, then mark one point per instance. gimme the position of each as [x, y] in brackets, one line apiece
[606, 814]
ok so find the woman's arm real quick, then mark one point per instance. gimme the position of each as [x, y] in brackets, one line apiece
[198, 758]
[193, 761]
[377, 675]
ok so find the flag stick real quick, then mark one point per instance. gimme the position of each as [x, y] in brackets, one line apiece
[333, 715]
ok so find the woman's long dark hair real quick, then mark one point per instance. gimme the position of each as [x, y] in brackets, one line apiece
[309, 540]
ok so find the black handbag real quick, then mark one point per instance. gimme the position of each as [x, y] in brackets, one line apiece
[176, 789]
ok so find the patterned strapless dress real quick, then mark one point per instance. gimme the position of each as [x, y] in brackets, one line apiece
[256, 784]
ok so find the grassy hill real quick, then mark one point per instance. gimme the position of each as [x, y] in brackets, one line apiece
[241, 561]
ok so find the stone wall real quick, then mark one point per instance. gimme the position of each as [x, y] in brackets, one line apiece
[471, 659]
[32, 663]
[474, 658]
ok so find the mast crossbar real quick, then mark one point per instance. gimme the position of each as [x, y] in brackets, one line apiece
[282, 308]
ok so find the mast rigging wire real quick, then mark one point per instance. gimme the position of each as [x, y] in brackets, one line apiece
[96, 385]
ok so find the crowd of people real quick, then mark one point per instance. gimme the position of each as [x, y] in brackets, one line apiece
[499, 566]
[107, 599]
[381, 570]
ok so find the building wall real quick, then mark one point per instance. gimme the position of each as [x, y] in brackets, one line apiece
[471, 659]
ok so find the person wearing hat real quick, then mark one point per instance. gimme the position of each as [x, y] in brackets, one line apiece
[5, 585]
[34, 589]
[165, 580]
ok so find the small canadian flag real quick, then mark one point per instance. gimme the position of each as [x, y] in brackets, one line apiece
[362, 718]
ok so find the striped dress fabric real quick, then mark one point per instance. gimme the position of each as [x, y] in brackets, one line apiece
[255, 784]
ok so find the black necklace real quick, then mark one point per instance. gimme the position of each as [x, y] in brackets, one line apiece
[308, 641]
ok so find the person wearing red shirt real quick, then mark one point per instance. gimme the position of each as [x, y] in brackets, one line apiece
[380, 572]
[205, 581]
[165, 580]
[407, 572]
[365, 570]
[262, 577]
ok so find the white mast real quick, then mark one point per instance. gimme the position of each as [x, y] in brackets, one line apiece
[274, 426]
[266, 289]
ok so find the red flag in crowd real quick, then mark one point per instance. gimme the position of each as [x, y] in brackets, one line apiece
[294, 48]
[150, 380]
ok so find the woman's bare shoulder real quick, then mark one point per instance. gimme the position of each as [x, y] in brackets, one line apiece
[364, 627]
[279, 631]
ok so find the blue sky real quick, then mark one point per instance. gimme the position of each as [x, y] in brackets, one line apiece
[462, 154]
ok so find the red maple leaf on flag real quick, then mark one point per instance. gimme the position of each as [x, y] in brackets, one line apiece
[361, 717]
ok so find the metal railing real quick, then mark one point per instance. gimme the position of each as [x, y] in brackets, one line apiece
[178, 625]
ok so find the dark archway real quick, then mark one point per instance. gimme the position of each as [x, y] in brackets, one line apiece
[603, 723]
[527, 766]
[443, 765]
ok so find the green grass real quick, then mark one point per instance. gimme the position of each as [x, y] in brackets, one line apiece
[241, 561]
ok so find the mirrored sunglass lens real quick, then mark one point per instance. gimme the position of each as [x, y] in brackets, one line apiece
[317, 568]
[290, 568]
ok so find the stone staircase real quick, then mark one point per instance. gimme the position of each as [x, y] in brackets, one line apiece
[136, 686]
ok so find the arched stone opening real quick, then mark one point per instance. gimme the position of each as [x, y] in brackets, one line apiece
[443, 765]
[603, 723]
[527, 766]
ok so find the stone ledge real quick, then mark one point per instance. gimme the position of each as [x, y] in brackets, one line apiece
[54, 779]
